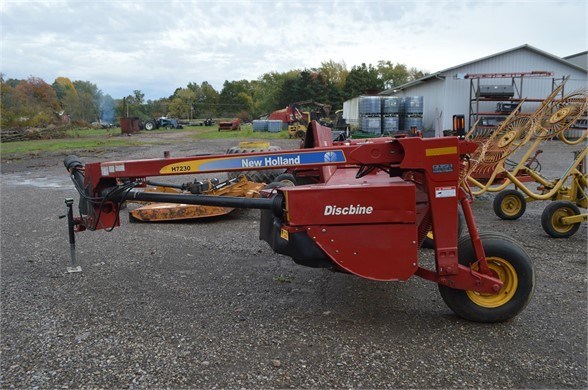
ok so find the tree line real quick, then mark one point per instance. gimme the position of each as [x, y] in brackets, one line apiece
[33, 102]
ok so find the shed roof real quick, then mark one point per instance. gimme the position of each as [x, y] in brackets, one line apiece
[582, 53]
[440, 74]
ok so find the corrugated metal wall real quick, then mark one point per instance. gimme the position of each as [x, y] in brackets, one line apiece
[451, 96]
[523, 60]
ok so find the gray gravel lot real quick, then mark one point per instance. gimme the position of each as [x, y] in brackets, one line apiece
[208, 305]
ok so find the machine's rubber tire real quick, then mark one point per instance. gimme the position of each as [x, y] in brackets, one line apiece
[509, 204]
[286, 178]
[263, 176]
[149, 125]
[429, 241]
[511, 264]
[300, 134]
[552, 215]
[275, 184]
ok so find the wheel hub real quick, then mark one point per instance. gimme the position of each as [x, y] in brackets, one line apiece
[507, 138]
[511, 205]
[560, 115]
[504, 271]
[557, 220]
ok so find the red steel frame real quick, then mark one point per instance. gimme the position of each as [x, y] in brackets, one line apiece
[432, 165]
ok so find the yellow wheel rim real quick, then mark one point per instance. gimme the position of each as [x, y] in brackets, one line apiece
[507, 138]
[511, 205]
[560, 115]
[556, 220]
[504, 271]
[430, 235]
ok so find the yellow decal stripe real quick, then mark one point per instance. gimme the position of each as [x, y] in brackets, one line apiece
[187, 166]
[441, 151]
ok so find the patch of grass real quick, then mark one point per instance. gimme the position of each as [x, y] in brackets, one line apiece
[246, 132]
[59, 145]
[92, 132]
[283, 279]
[92, 138]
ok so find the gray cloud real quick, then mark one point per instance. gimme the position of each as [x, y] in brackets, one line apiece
[157, 46]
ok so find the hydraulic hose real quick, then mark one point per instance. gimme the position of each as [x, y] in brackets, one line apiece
[74, 166]
[205, 200]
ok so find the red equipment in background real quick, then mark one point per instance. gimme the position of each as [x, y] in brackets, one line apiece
[295, 112]
[232, 125]
[368, 215]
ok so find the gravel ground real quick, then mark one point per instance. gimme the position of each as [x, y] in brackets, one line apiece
[208, 305]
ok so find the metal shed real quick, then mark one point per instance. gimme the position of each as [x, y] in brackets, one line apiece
[580, 59]
[530, 72]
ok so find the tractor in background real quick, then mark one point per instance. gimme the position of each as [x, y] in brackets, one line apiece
[161, 122]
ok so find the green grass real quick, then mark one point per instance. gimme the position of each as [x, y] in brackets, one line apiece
[246, 132]
[62, 145]
[91, 132]
[91, 139]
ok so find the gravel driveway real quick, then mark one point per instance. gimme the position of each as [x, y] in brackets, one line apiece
[208, 305]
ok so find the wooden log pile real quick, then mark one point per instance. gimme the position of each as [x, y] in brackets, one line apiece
[13, 135]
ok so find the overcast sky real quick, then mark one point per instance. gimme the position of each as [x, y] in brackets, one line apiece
[158, 46]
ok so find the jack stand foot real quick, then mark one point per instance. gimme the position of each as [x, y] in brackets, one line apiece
[75, 267]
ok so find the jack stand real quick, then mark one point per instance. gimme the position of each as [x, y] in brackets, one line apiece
[74, 267]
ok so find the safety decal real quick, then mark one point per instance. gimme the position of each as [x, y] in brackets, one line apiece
[445, 192]
[284, 234]
[108, 168]
[248, 162]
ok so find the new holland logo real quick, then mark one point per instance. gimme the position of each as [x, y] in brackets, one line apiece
[330, 157]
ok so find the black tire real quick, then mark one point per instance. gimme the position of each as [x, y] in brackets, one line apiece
[264, 176]
[429, 241]
[509, 205]
[274, 184]
[286, 178]
[551, 219]
[150, 125]
[513, 266]
[300, 134]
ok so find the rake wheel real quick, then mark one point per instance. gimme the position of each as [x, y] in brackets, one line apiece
[561, 115]
[507, 139]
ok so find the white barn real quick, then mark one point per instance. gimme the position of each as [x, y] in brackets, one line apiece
[529, 72]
